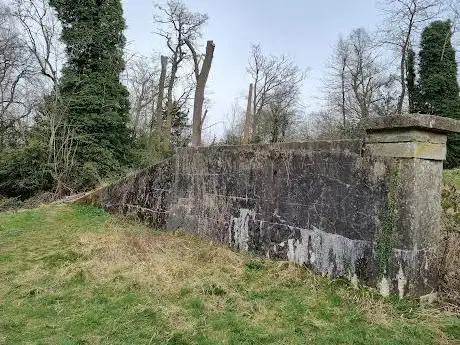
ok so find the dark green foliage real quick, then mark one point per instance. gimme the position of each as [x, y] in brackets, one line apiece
[453, 151]
[214, 290]
[180, 128]
[438, 69]
[152, 147]
[253, 265]
[385, 235]
[439, 90]
[95, 100]
[23, 172]
[452, 109]
[60, 258]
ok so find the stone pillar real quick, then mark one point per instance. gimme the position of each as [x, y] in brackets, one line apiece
[412, 148]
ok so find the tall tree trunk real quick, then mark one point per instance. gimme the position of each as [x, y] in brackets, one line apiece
[344, 115]
[157, 116]
[410, 79]
[169, 103]
[196, 119]
[403, 81]
[275, 127]
[255, 115]
[201, 79]
[248, 118]
[402, 66]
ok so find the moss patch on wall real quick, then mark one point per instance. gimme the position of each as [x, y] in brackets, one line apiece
[385, 240]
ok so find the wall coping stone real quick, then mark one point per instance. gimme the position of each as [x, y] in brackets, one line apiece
[351, 145]
[423, 122]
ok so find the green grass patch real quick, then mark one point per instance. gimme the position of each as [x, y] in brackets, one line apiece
[452, 177]
[76, 275]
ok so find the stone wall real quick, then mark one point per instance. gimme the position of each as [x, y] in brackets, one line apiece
[359, 209]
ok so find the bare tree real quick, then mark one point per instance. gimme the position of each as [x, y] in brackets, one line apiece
[337, 81]
[325, 124]
[357, 84]
[62, 148]
[176, 25]
[403, 19]
[276, 96]
[386, 95]
[141, 79]
[364, 70]
[41, 31]
[234, 125]
[15, 72]
[452, 11]
[201, 76]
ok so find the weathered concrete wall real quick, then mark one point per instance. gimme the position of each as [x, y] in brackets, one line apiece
[314, 203]
[355, 209]
[145, 195]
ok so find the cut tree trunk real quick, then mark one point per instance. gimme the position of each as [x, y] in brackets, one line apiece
[248, 118]
[201, 79]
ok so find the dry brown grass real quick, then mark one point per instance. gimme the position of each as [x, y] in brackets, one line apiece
[451, 286]
[451, 244]
[158, 261]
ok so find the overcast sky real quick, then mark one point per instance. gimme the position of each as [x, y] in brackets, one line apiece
[305, 30]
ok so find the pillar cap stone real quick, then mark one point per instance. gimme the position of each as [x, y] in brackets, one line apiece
[429, 123]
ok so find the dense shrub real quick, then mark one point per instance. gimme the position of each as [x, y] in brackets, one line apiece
[23, 172]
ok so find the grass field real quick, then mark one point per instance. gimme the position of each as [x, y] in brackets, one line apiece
[75, 275]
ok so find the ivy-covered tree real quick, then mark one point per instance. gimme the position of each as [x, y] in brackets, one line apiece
[438, 86]
[95, 100]
[438, 68]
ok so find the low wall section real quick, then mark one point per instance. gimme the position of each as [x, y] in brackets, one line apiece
[367, 210]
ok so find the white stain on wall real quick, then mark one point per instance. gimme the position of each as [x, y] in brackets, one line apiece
[240, 228]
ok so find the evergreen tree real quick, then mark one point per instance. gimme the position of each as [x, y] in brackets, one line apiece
[438, 86]
[96, 102]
